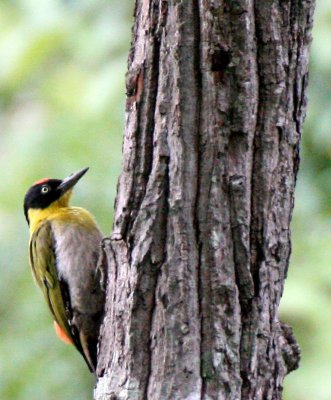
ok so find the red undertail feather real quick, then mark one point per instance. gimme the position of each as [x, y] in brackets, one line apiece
[61, 334]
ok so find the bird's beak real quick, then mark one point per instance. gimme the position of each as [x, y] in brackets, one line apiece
[71, 180]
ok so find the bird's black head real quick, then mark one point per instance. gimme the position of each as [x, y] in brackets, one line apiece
[41, 195]
[46, 191]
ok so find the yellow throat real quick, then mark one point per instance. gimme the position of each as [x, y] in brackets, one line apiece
[37, 215]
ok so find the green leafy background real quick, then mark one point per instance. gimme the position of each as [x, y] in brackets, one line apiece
[62, 97]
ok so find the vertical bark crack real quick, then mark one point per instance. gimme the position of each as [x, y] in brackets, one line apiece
[197, 68]
[165, 214]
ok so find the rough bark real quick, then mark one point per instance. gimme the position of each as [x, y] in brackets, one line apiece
[201, 239]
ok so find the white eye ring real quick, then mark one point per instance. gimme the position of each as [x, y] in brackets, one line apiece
[44, 189]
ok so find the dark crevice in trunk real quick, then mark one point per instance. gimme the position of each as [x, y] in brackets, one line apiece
[144, 136]
[197, 68]
[163, 223]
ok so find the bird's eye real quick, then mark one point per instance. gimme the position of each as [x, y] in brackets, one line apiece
[44, 189]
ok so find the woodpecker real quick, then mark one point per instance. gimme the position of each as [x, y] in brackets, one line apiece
[64, 250]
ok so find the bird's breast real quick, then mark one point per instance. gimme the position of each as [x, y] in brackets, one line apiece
[77, 241]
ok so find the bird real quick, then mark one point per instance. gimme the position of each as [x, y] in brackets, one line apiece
[64, 248]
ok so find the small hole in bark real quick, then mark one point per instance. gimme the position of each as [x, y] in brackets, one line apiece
[220, 59]
[164, 300]
[280, 133]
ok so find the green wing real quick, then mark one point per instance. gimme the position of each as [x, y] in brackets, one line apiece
[55, 289]
[43, 264]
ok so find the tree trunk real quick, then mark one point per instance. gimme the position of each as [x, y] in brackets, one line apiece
[201, 240]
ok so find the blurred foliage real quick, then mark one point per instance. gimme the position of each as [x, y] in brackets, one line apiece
[62, 108]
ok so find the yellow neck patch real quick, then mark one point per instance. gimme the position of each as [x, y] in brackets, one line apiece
[37, 215]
